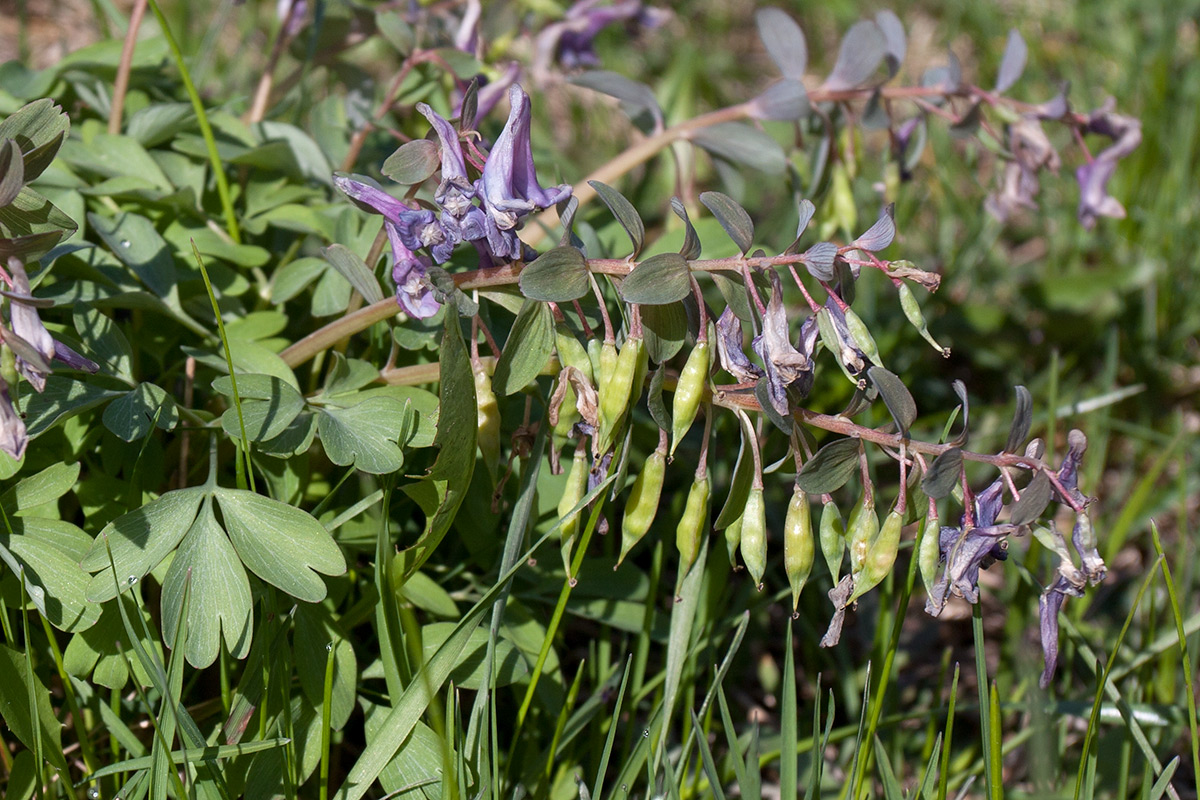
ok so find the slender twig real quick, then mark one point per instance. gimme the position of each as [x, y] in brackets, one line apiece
[121, 85]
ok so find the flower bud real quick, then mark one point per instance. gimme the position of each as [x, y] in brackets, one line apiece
[642, 506]
[833, 538]
[754, 535]
[689, 392]
[798, 547]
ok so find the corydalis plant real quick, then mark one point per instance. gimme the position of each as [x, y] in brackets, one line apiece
[487, 211]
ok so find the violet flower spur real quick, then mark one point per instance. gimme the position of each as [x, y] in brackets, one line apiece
[1049, 604]
[28, 327]
[509, 185]
[13, 436]
[413, 292]
[967, 550]
[1093, 177]
[571, 40]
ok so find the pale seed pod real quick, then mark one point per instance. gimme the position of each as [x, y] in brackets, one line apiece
[861, 335]
[572, 493]
[881, 556]
[642, 506]
[733, 541]
[614, 397]
[689, 392]
[571, 352]
[798, 550]
[689, 534]
[487, 421]
[929, 552]
[754, 535]
[861, 531]
[832, 535]
[908, 302]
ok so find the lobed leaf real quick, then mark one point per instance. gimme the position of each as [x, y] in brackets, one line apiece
[39, 129]
[365, 434]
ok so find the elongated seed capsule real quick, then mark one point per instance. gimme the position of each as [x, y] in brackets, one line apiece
[754, 535]
[689, 534]
[881, 556]
[861, 531]
[798, 549]
[614, 398]
[689, 392]
[861, 335]
[733, 541]
[487, 421]
[929, 552]
[642, 506]
[571, 352]
[572, 493]
[912, 310]
[832, 535]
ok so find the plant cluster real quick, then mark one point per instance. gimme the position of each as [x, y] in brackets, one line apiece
[347, 477]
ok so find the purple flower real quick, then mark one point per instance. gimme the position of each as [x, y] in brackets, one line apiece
[572, 40]
[1093, 177]
[28, 327]
[786, 366]
[509, 185]
[13, 436]
[729, 349]
[402, 223]
[965, 550]
[1049, 604]
[291, 14]
[1032, 152]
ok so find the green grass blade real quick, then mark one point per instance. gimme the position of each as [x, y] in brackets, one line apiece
[944, 773]
[1094, 717]
[788, 721]
[985, 720]
[928, 782]
[710, 767]
[1183, 654]
[995, 745]
[891, 786]
[1163, 784]
[598, 784]
[210, 142]
[208, 753]
[679, 638]
[326, 714]
[731, 738]
[561, 722]
[245, 472]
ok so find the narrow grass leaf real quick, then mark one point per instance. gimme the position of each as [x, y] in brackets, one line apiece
[788, 723]
[710, 766]
[887, 776]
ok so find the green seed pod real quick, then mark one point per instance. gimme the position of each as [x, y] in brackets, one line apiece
[689, 534]
[571, 352]
[881, 556]
[832, 535]
[488, 422]
[929, 552]
[798, 547]
[841, 198]
[754, 535]
[862, 335]
[572, 493]
[861, 531]
[912, 310]
[689, 392]
[733, 540]
[614, 397]
[643, 502]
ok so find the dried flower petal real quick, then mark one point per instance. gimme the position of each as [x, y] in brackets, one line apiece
[27, 325]
[13, 436]
[729, 349]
